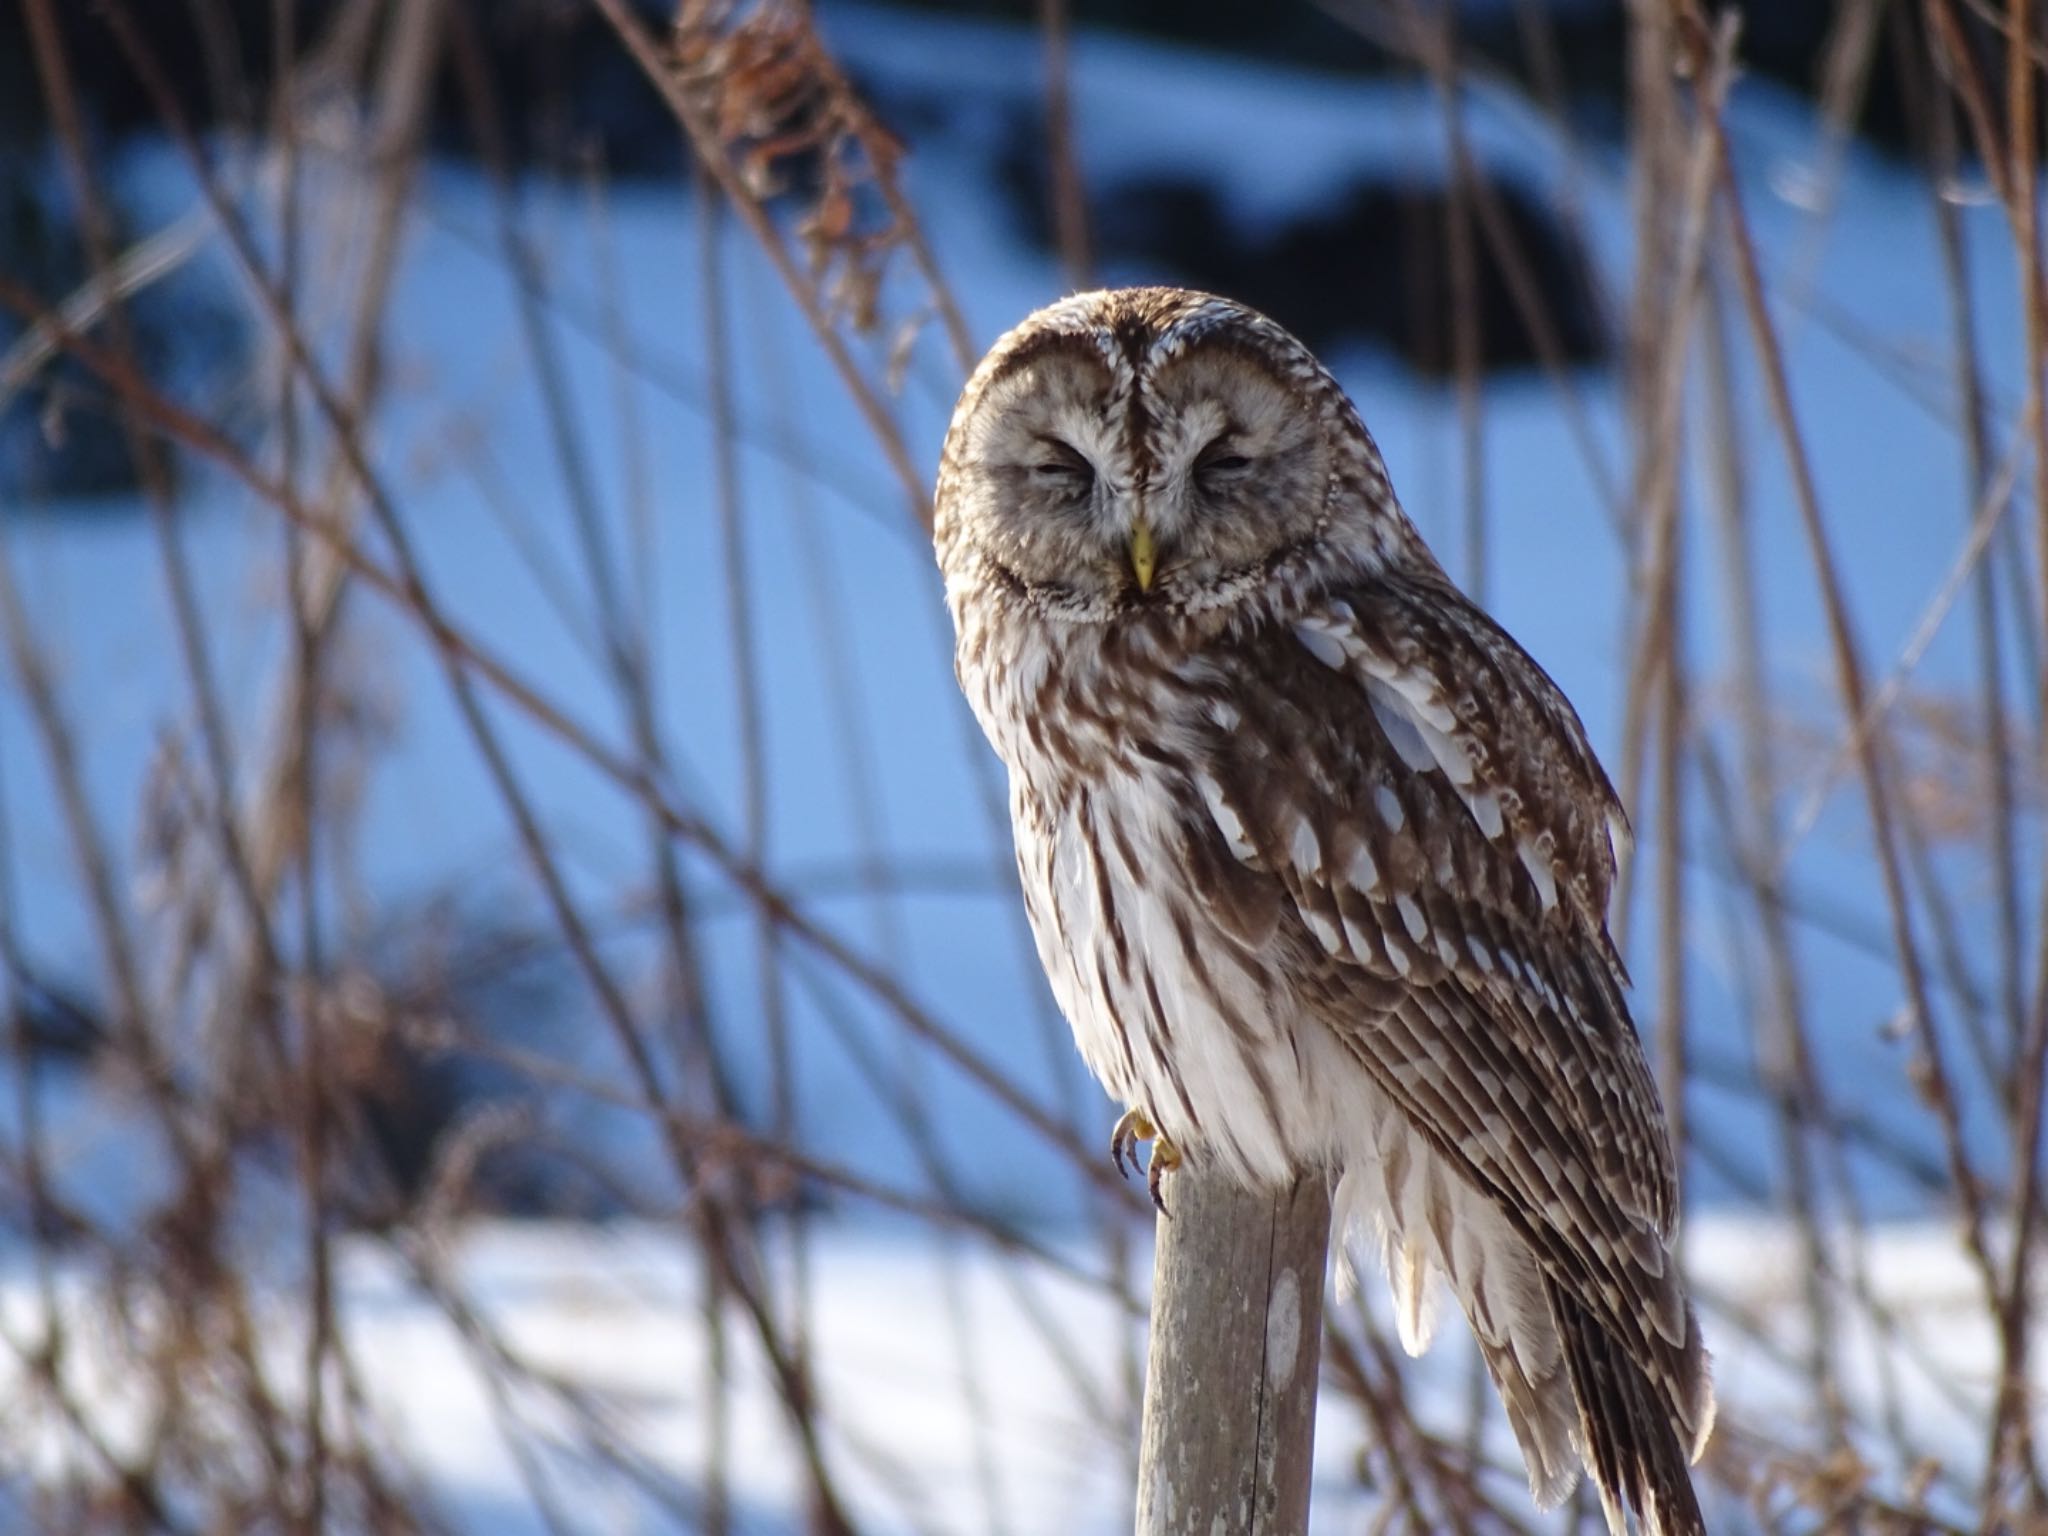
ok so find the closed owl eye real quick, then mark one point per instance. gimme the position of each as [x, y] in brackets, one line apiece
[1063, 465]
[1220, 460]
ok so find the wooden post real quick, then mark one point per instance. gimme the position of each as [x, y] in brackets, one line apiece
[1236, 1345]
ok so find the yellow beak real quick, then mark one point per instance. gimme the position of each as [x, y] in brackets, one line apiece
[1144, 558]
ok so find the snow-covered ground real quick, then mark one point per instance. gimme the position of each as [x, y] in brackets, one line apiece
[1033, 1432]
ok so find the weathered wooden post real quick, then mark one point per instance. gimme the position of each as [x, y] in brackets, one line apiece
[1230, 1373]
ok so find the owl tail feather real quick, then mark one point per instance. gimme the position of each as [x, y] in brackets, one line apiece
[1576, 1392]
[1425, 1221]
[1626, 1433]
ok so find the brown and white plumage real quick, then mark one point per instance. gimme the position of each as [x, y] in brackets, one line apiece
[1317, 858]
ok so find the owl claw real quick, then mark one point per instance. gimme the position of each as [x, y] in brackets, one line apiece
[1133, 1128]
[1165, 1158]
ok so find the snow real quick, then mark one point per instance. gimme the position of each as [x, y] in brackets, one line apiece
[1026, 1439]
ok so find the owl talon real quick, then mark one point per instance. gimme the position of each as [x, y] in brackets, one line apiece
[1133, 1128]
[1165, 1158]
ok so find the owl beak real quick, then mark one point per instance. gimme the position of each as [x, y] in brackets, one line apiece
[1144, 556]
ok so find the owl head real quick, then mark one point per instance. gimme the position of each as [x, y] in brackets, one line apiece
[1153, 448]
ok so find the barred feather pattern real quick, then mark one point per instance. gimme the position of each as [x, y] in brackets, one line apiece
[1318, 859]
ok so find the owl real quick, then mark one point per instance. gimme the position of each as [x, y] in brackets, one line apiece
[1318, 859]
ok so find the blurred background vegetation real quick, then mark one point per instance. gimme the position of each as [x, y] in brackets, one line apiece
[518, 1016]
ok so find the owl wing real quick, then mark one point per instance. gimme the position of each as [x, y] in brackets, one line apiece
[1426, 800]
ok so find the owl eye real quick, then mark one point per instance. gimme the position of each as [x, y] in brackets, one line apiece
[1221, 462]
[1063, 467]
